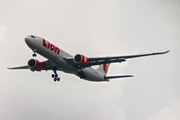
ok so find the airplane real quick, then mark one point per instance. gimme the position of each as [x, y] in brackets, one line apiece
[79, 65]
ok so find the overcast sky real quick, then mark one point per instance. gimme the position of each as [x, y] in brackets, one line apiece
[92, 28]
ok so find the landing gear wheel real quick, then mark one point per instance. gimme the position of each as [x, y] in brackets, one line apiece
[52, 75]
[34, 55]
[55, 75]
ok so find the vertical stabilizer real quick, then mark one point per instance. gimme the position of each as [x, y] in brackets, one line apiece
[103, 68]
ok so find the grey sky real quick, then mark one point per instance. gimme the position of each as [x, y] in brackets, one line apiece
[93, 28]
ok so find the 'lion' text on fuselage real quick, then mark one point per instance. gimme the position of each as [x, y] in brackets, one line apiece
[51, 46]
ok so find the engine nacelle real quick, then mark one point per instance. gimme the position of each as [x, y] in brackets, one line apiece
[34, 65]
[81, 60]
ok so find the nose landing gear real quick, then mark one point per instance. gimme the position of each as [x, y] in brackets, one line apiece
[34, 55]
[55, 75]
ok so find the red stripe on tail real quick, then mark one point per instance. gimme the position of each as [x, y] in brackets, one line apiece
[105, 68]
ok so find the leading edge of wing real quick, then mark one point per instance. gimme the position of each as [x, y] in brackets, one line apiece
[126, 57]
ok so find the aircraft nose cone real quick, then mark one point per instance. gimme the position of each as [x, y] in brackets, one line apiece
[25, 39]
[28, 40]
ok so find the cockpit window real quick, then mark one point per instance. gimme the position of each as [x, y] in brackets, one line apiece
[32, 36]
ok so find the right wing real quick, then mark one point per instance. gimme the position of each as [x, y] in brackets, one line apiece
[105, 60]
[46, 65]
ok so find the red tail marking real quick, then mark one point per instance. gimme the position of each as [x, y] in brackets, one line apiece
[105, 68]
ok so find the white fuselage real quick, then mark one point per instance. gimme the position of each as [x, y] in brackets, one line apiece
[56, 56]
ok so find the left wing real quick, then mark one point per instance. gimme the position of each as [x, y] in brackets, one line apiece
[46, 65]
[21, 67]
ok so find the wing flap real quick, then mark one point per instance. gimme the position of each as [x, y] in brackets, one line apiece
[106, 61]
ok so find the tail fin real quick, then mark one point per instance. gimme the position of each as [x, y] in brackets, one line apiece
[103, 68]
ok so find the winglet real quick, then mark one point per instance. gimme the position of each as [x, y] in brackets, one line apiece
[8, 68]
[167, 51]
[161, 52]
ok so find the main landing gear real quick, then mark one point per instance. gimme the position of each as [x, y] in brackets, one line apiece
[81, 74]
[55, 75]
[34, 55]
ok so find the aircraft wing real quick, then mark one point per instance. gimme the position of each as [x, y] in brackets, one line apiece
[46, 65]
[104, 60]
[21, 67]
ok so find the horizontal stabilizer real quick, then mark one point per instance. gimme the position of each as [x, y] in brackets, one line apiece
[121, 76]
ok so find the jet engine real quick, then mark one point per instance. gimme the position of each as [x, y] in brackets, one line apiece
[34, 65]
[81, 60]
